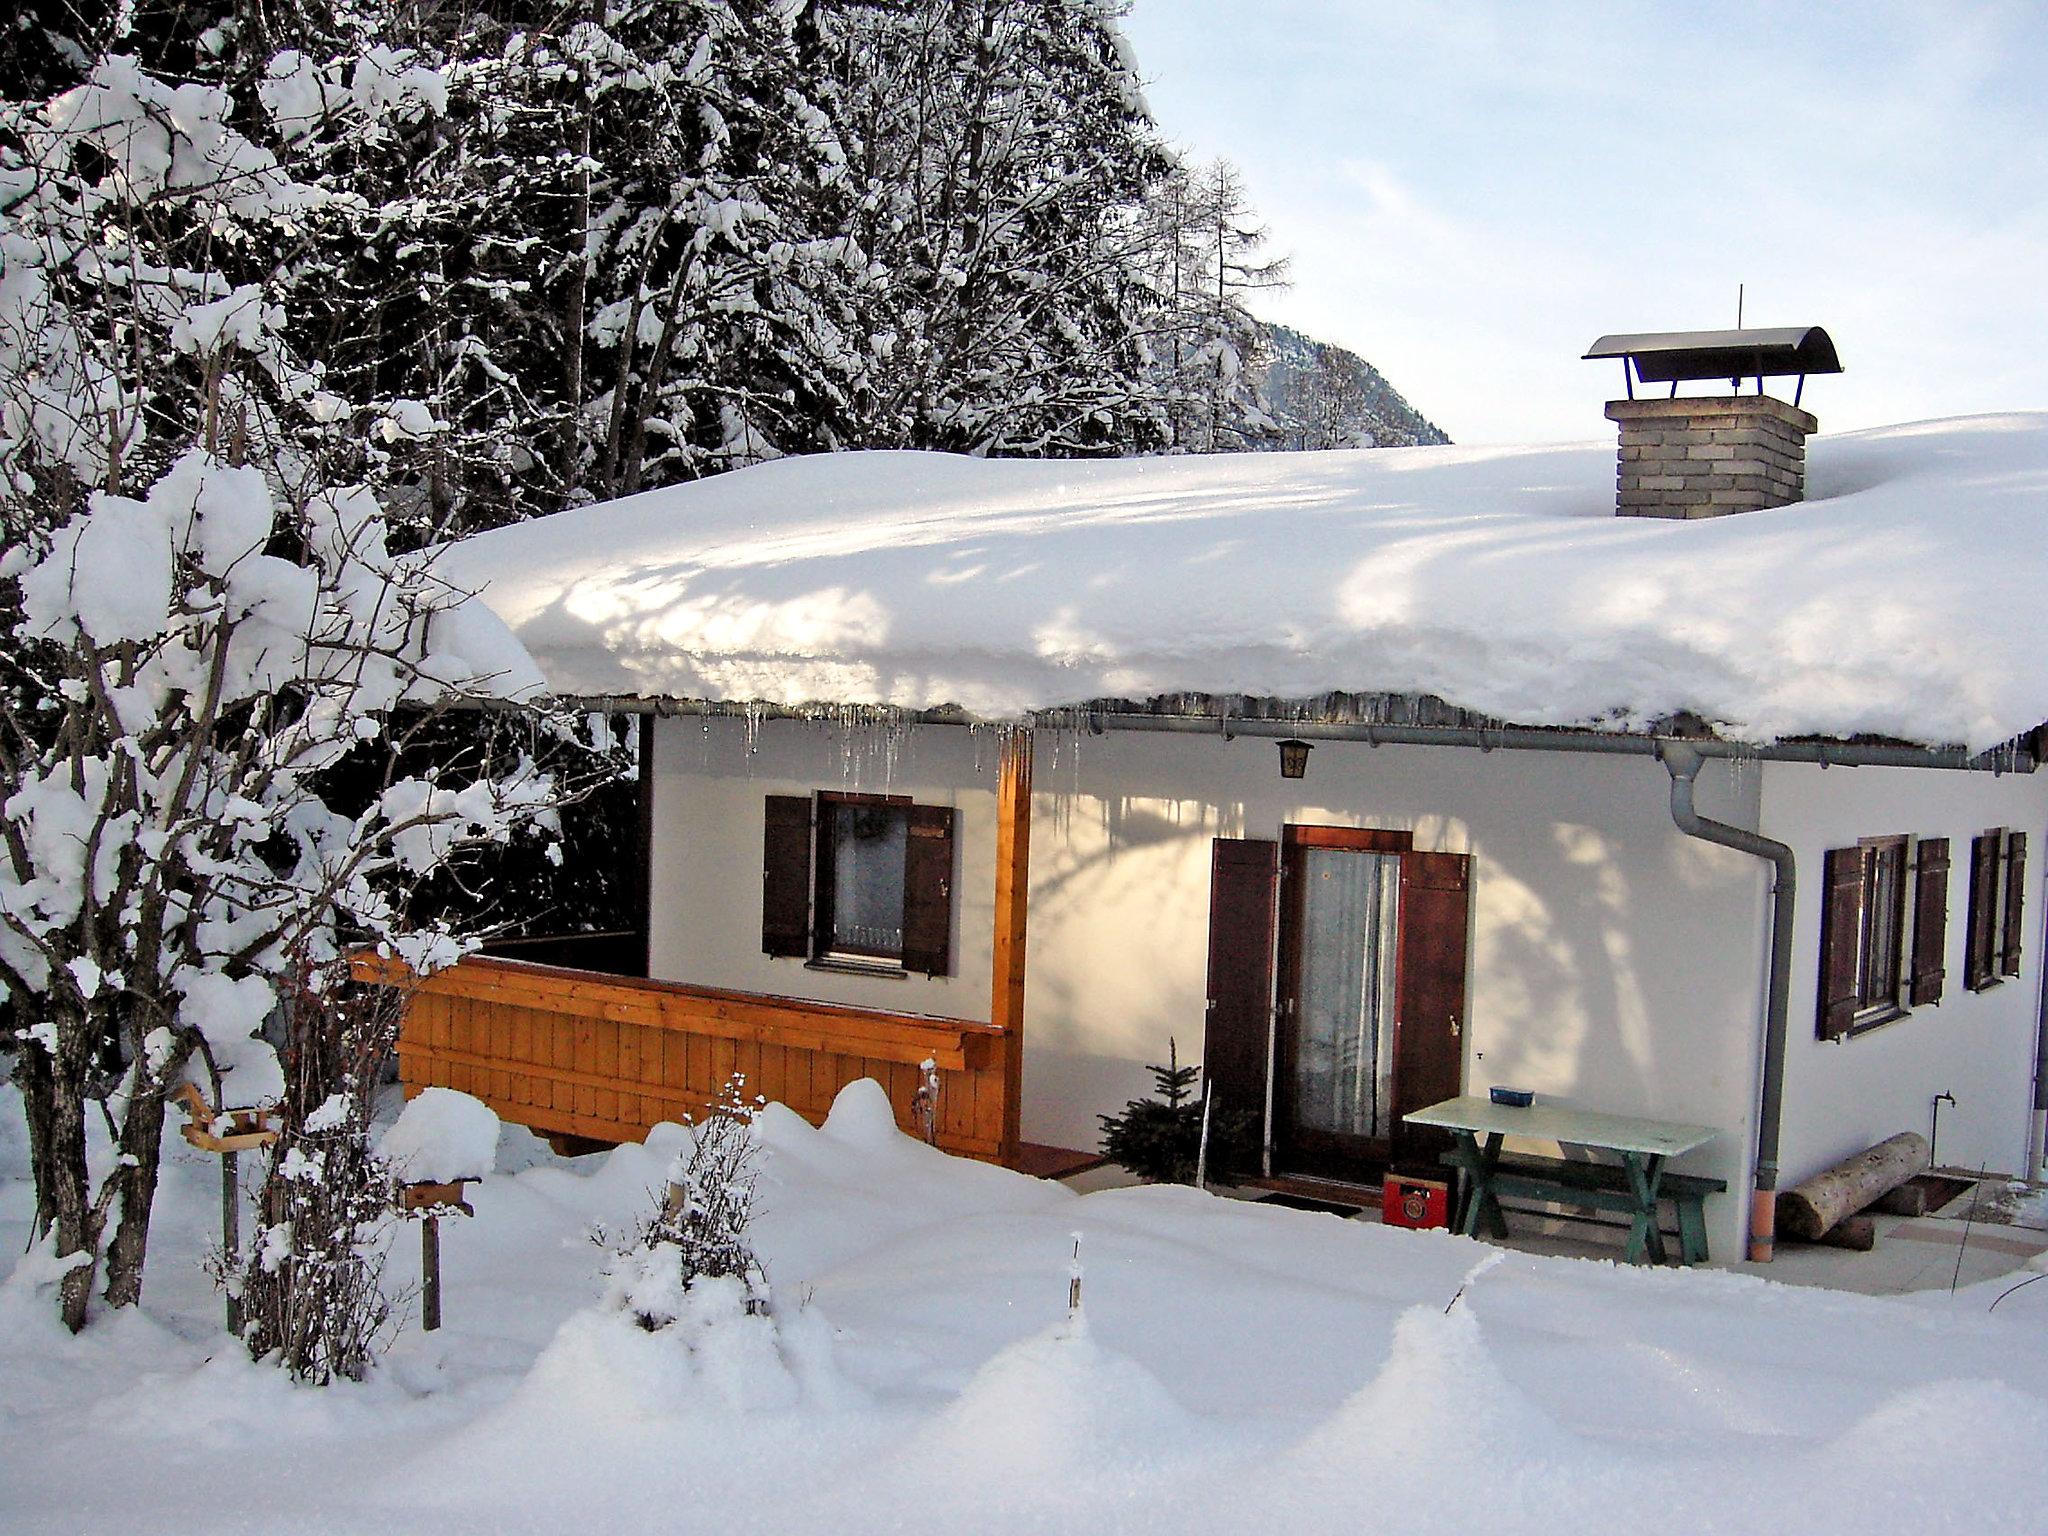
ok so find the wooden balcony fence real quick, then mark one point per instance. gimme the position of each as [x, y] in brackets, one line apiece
[576, 1053]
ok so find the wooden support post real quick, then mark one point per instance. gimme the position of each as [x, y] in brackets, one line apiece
[430, 1273]
[1013, 890]
[231, 1229]
[643, 892]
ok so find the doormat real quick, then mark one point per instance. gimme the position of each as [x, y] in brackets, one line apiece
[1307, 1203]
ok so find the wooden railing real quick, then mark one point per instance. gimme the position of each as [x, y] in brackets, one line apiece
[607, 1057]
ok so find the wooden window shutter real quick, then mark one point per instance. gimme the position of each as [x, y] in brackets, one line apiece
[1429, 1032]
[786, 877]
[928, 891]
[1979, 962]
[1841, 922]
[1244, 875]
[2015, 901]
[1930, 920]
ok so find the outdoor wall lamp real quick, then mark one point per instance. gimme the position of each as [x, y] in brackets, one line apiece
[1294, 758]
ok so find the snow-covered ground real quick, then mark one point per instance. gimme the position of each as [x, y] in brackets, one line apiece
[1240, 1367]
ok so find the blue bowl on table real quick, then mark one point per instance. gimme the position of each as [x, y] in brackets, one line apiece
[1514, 1098]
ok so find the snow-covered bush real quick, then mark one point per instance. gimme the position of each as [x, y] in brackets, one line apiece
[699, 1233]
[311, 1280]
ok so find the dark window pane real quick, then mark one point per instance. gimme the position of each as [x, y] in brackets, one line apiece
[865, 849]
[1882, 928]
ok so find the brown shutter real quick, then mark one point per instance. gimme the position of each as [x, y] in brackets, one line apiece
[1841, 923]
[928, 891]
[2015, 900]
[1930, 920]
[1429, 1026]
[786, 877]
[1236, 1052]
[1979, 963]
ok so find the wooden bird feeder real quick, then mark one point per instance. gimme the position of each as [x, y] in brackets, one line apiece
[224, 1131]
[227, 1133]
[432, 1200]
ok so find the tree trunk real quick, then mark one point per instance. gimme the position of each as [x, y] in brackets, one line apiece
[574, 319]
[1855, 1232]
[1850, 1185]
[142, 1134]
[32, 1080]
[65, 1195]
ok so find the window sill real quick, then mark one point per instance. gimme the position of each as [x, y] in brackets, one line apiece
[848, 965]
[1864, 1026]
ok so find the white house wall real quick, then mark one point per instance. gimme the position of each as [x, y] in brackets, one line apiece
[1841, 1096]
[711, 783]
[1615, 964]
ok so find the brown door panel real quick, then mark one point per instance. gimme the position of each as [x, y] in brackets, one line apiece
[1429, 1046]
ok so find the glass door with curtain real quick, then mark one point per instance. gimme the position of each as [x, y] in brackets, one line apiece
[1334, 1093]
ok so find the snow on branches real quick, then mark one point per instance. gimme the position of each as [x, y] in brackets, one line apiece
[210, 645]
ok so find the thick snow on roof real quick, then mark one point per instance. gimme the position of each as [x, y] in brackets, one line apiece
[1895, 600]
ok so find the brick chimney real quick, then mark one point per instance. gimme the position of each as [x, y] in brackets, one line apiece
[1707, 455]
[1704, 456]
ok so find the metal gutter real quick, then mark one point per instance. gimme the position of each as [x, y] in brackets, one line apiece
[1682, 762]
[1486, 738]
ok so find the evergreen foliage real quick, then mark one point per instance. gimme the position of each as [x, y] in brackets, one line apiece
[1159, 1138]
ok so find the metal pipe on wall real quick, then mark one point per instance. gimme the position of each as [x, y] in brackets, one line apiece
[1682, 761]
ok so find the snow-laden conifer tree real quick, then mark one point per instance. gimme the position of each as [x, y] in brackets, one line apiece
[719, 276]
[999, 154]
[1208, 350]
[202, 624]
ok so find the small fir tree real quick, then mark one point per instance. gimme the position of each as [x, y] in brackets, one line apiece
[1160, 1138]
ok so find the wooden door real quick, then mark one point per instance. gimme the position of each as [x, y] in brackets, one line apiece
[1429, 1030]
[1370, 1001]
[1338, 962]
[1237, 1048]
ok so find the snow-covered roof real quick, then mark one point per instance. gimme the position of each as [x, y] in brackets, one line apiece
[1897, 600]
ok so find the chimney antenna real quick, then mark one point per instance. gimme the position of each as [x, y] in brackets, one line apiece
[1736, 384]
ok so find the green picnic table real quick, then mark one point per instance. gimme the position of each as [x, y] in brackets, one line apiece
[1626, 1175]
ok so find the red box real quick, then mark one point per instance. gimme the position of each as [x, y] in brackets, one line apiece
[1406, 1201]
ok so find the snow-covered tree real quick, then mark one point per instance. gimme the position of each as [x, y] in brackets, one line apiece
[999, 152]
[202, 625]
[1208, 350]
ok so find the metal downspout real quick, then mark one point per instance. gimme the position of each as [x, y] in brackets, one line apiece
[1682, 762]
[2037, 1123]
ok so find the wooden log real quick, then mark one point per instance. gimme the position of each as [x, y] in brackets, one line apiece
[1857, 1232]
[1909, 1199]
[1850, 1185]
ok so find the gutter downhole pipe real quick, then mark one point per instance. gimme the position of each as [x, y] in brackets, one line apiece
[1682, 761]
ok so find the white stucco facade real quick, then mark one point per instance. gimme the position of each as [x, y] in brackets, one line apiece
[711, 783]
[1615, 964]
[1979, 1046]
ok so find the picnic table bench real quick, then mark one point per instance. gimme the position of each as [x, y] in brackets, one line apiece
[1626, 1174]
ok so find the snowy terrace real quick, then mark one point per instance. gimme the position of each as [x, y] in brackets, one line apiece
[1495, 579]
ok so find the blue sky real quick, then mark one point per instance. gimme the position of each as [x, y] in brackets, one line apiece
[1471, 193]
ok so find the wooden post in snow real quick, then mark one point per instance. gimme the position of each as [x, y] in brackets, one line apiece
[1013, 888]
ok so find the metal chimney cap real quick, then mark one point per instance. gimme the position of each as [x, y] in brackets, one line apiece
[1665, 357]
